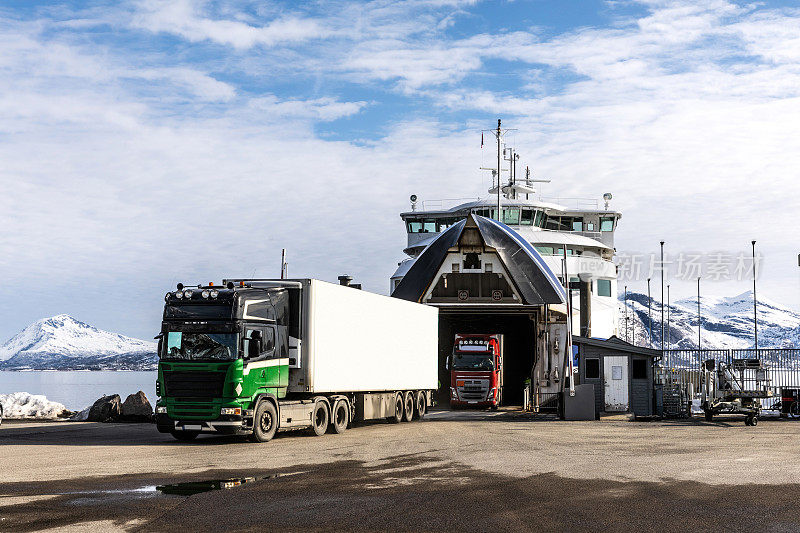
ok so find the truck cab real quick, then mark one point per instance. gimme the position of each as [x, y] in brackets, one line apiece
[221, 350]
[476, 371]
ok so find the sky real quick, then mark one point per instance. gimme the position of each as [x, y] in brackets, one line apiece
[143, 143]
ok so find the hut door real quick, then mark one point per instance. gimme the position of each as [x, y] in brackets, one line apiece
[616, 382]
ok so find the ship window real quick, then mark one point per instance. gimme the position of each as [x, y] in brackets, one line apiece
[526, 218]
[545, 250]
[604, 287]
[415, 226]
[590, 226]
[593, 369]
[429, 226]
[552, 223]
[607, 224]
[577, 224]
[511, 216]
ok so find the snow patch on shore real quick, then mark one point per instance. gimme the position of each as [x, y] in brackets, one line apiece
[25, 405]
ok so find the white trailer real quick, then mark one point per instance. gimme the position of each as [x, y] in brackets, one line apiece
[358, 341]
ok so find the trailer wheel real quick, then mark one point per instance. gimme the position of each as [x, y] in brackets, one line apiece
[709, 416]
[408, 406]
[419, 410]
[341, 417]
[751, 420]
[265, 422]
[185, 436]
[320, 418]
[794, 409]
[398, 409]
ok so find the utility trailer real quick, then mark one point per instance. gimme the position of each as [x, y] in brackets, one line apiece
[252, 357]
[735, 388]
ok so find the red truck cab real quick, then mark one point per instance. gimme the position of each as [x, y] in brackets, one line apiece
[476, 371]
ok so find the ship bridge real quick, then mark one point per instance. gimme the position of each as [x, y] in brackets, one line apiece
[486, 278]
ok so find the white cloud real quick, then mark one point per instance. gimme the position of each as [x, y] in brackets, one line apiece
[323, 109]
[186, 18]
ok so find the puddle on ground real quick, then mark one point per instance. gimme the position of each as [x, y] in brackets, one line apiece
[187, 488]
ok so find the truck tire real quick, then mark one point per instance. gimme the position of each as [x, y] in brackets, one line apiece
[709, 416]
[421, 406]
[397, 417]
[265, 422]
[408, 406]
[340, 418]
[185, 436]
[320, 418]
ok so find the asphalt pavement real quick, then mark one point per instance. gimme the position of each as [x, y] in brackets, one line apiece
[459, 470]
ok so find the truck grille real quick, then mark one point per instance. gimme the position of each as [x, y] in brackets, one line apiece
[203, 411]
[474, 389]
[187, 384]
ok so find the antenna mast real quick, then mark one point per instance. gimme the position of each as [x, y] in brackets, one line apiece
[498, 133]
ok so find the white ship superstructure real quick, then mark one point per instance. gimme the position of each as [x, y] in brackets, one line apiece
[581, 228]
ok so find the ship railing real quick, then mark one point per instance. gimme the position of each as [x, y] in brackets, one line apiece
[445, 203]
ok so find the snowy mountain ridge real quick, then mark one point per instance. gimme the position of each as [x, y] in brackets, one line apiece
[64, 343]
[725, 322]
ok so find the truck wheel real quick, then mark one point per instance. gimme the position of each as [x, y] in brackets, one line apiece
[341, 416]
[320, 418]
[265, 422]
[794, 410]
[408, 406]
[398, 409]
[709, 416]
[419, 409]
[185, 436]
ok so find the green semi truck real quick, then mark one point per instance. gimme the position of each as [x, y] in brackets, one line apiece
[253, 357]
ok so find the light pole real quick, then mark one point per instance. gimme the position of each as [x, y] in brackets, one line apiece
[662, 299]
[668, 324]
[698, 315]
[755, 301]
[650, 315]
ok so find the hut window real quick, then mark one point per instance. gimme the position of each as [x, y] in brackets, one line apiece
[593, 369]
[639, 369]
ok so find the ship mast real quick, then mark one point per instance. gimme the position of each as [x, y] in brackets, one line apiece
[498, 135]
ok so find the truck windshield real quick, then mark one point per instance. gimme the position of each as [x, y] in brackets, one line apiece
[472, 361]
[201, 346]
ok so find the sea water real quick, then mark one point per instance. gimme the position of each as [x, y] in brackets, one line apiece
[78, 389]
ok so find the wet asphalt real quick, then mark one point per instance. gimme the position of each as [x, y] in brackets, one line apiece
[437, 475]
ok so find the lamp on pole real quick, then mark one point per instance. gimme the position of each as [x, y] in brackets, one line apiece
[755, 301]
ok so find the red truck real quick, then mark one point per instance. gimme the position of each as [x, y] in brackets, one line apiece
[476, 371]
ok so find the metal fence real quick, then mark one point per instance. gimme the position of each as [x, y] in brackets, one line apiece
[685, 367]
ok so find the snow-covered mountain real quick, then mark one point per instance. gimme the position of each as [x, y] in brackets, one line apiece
[63, 343]
[725, 322]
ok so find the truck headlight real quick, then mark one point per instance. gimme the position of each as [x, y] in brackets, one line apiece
[453, 393]
[490, 396]
[230, 411]
[161, 410]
